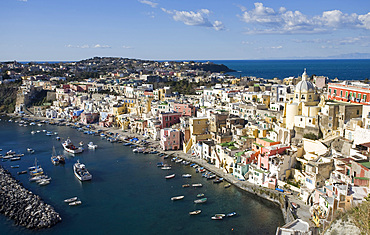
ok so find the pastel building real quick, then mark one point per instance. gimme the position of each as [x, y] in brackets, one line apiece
[168, 119]
[185, 109]
[354, 92]
[170, 139]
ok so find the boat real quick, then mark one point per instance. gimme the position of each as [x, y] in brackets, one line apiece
[186, 185]
[21, 172]
[91, 145]
[10, 152]
[200, 195]
[15, 158]
[127, 144]
[61, 159]
[15, 166]
[166, 168]
[178, 160]
[199, 201]
[81, 172]
[220, 215]
[138, 150]
[294, 205]
[196, 212]
[169, 176]
[177, 198]
[231, 214]
[160, 164]
[153, 152]
[197, 185]
[33, 132]
[69, 147]
[218, 180]
[44, 182]
[72, 199]
[75, 203]
[212, 176]
[81, 143]
[186, 176]
[37, 177]
[227, 185]
[57, 138]
[217, 217]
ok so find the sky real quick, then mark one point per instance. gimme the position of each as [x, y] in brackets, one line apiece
[71, 30]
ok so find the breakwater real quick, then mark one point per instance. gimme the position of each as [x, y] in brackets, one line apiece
[24, 207]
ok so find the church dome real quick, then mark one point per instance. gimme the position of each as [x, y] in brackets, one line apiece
[305, 85]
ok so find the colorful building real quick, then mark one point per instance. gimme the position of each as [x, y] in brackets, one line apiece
[354, 92]
[168, 119]
[170, 139]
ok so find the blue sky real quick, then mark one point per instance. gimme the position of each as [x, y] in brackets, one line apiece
[54, 30]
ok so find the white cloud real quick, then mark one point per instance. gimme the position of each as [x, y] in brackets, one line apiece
[360, 40]
[267, 20]
[195, 18]
[126, 47]
[150, 3]
[22, 0]
[101, 46]
[85, 46]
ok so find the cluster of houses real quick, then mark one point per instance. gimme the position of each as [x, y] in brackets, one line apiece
[303, 135]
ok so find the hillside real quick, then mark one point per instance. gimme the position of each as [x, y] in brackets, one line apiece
[8, 95]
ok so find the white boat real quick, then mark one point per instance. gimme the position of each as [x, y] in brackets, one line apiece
[91, 145]
[186, 176]
[69, 147]
[44, 182]
[81, 172]
[177, 198]
[33, 132]
[197, 185]
[75, 203]
[72, 199]
[169, 176]
[138, 150]
[166, 168]
[196, 212]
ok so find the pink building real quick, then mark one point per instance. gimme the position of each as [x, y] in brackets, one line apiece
[185, 109]
[170, 139]
[266, 152]
[88, 118]
[168, 119]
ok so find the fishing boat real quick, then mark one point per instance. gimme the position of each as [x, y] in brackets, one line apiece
[81, 172]
[91, 145]
[170, 176]
[218, 180]
[199, 201]
[197, 185]
[196, 212]
[200, 195]
[231, 214]
[177, 198]
[75, 203]
[186, 176]
[72, 199]
[69, 147]
[227, 185]
[186, 185]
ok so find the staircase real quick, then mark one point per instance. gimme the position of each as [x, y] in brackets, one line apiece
[188, 146]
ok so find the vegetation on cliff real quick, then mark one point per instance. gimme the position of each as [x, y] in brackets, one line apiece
[8, 96]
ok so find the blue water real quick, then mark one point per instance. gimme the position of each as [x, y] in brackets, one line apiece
[128, 193]
[268, 69]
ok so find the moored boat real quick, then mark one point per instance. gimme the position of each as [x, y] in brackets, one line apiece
[186, 176]
[72, 199]
[200, 195]
[186, 185]
[15, 166]
[197, 185]
[170, 176]
[166, 168]
[177, 198]
[81, 172]
[21, 172]
[44, 182]
[231, 214]
[91, 145]
[199, 201]
[69, 147]
[218, 180]
[75, 203]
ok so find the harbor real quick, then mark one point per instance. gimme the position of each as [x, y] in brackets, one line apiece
[140, 184]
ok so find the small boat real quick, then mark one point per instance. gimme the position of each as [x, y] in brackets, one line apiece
[196, 212]
[200, 195]
[160, 164]
[153, 152]
[220, 215]
[69, 147]
[44, 182]
[199, 201]
[127, 144]
[75, 203]
[91, 145]
[170, 176]
[37, 177]
[57, 138]
[72, 199]
[218, 180]
[186, 185]
[178, 161]
[294, 205]
[15, 158]
[177, 198]
[15, 166]
[21, 172]
[186, 176]
[212, 176]
[81, 172]
[10, 152]
[227, 185]
[166, 168]
[217, 217]
[33, 132]
[231, 214]
[197, 185]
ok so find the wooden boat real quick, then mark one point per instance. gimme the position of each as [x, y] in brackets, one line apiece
[197, 185]
[199, 201]
[170, 176]
[177, 198]
[217, 217]
[75, 203]
[200, 195]
[21, 172]
[196, 212]
[72, 199]
[227, 185]
[186, 185]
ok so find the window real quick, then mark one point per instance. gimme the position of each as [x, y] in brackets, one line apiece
[346, 94]
[335, 91]
[358, 112]
[364, 97]
[359, 96]
[330, 91]
[341, 93]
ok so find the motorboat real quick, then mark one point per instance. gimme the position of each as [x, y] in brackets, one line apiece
[166, 168]
[177, 198]
[227, 185]
[21, 172]
[75, 203]
[160, 164]
[199, 201]
[186, 185]
[200, 195]
[196, 212]
[170, 176]
[81, 172]
[218, 180]
[69, 147]
[15, 166]
[197, 185]
[44, 182]
[231, 214]
[72, 199]
[186, 176]
[217, 217]
[91, 145]
[15, 158]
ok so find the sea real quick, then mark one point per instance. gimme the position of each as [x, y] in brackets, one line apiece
[354, 69]
[128, 193]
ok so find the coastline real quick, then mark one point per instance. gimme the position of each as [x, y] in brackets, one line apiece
[272, 196]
